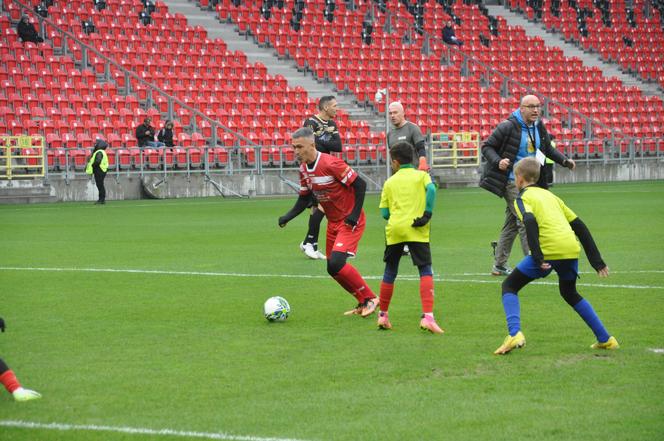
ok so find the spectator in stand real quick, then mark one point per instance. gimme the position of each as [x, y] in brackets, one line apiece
[144, 17]
[27, 32]
[149, 6]
[88, 26]
[448, 35]
[42, 9]
[165, 135]
[145, 135]
[100, 5]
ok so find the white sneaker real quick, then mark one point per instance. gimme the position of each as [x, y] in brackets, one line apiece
[21, 394]
[308, 250]
[321, 255]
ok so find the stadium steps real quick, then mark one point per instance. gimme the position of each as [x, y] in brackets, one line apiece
[275, 66]
[25, 192]
[571, 50]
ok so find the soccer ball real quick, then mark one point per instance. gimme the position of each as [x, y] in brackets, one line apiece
[276, 309]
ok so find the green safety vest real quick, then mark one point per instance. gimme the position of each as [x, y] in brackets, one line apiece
[103, 165]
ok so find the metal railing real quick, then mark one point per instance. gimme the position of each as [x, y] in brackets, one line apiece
[471, 66]
[130, 77]
[21, 157]
[454, 150]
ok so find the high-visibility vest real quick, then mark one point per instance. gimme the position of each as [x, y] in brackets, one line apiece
[103, 165]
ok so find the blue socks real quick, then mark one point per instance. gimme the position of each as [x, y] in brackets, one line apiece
[587, 313]
[512, 312]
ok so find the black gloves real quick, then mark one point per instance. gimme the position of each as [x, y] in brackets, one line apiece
[351, 220]
[423, 220]
[2, 325]
[283, 220]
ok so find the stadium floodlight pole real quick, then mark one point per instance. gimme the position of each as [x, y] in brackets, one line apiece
[379, 96]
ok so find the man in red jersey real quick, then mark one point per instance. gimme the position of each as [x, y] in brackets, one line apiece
[340, 191]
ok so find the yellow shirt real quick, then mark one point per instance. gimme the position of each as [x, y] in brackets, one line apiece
[404, 194]
[556, 237]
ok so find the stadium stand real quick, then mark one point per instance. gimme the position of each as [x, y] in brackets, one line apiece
[72, 95]
[445, 97]
[630, 34]
[167, 53]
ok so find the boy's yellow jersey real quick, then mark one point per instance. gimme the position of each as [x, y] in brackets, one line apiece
[556, 237]
[404, 194]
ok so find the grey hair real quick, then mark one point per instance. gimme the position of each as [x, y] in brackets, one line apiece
[303, 132]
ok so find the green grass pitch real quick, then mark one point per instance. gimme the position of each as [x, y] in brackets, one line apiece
[185, 347]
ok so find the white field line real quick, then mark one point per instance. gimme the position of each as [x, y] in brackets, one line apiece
[136, 431]
[443, 279]
[580, 272]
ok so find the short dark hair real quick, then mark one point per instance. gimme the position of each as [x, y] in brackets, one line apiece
[403, 152]
[324, 100]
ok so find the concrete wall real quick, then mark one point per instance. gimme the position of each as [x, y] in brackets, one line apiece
[82, 188]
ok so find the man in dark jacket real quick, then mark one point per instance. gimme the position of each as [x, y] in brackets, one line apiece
[145, 135]
[448, 35]
[27, 32]
[518, 137]
[165, 135]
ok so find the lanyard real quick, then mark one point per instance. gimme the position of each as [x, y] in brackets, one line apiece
[532, 137]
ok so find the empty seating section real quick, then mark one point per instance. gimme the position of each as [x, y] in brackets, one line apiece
[436, 96]
[203, 73]
[46, 93]
[633, 38]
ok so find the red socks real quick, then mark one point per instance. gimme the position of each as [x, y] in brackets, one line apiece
[9, 380]
[386, 291]
[351, 280]
[426, 293]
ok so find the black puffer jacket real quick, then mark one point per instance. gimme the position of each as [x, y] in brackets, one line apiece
[504, 142]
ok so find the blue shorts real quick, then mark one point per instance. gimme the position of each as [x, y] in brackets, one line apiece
[567, 269]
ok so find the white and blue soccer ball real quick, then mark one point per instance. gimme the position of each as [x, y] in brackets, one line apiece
[276, 309]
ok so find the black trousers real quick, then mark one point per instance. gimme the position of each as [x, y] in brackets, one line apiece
[99, 180]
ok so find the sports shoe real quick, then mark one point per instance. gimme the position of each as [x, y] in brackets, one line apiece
[308, 250]
[369, 307]
[21, 394]
[320, 255]
[429, 324]
[355, 311]
[406, 251]
[611, 343]
[384, 321]
[499, 270]
[511, 342]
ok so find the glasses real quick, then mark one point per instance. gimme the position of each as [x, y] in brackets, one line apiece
[533, 106]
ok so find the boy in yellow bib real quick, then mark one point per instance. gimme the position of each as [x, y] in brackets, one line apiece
[551, 229]
[407, 204]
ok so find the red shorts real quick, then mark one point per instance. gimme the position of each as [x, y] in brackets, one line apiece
[344, 238]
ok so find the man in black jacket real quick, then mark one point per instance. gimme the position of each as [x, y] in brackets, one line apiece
[145, 135]
[27, 32]
[518, 137]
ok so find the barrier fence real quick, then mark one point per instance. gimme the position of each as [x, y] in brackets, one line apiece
[453, 150]
[21, 157]
[28, 156]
